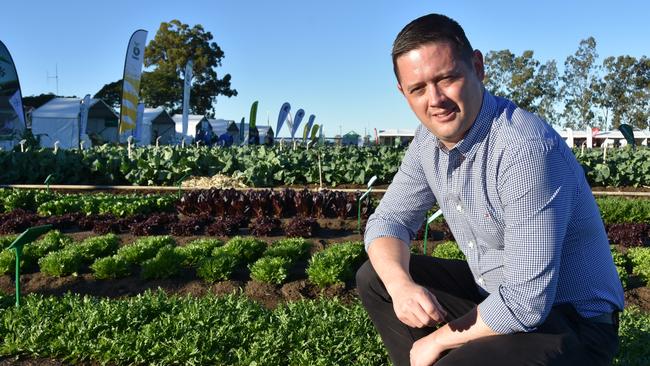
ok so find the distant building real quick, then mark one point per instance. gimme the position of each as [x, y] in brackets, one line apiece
[393, 136]
[350, 138]
[589, 137]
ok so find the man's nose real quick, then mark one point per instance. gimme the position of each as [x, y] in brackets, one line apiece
[436, 96]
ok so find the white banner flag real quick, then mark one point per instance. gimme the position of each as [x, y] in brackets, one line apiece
[131, 80]
[83, 111]
[186, 94]
[138, 122]
[17, 103]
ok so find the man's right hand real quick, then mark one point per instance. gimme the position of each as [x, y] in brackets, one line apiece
[415, 306]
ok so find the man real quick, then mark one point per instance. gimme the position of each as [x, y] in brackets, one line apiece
[539, 285]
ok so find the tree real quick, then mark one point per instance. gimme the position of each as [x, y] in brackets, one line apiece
[580, 83]
[531, 85]
[174, 44]
[625, 90]
[111, 93]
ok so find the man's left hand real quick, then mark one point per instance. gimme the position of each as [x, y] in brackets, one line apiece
[425, 351]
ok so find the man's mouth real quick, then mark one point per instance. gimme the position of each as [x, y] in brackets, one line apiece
[447, 114]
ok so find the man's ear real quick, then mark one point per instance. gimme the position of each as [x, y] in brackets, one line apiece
[399, 87]
[479, 67]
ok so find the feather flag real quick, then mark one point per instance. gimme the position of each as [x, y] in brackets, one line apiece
[131, 80]
[284, 113]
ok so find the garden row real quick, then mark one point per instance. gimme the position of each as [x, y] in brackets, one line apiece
[262, 166]
[222, 212]
[156, 257]
[160, 257]
[158, 329]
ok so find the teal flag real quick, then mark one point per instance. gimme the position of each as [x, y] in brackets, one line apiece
[628, 133]
[241, 131]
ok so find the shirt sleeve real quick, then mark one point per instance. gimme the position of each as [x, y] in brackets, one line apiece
[537, 187]
[403, 207]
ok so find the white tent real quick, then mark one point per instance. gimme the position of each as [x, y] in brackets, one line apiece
[193, 122]
[157, 123]
[59, 120]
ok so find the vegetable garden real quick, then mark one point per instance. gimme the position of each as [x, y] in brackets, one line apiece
[233, 277]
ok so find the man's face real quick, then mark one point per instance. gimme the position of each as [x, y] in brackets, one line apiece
[444, 92]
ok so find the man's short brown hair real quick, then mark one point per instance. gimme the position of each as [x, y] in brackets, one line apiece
[432, 28]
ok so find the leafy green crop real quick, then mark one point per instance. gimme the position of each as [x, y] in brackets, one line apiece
[218, 267]
[158, 329]
[61, 262]
[448, 250]
[74, 256]
[52, 241]
[615, 210]
[621, 262]
[245, 249]
[291, 248]
[640, 259]
[6, 240]
[335, 264]
[144, 248]
[193, 252]
[110, 268]
[165, 264]
[270, 269]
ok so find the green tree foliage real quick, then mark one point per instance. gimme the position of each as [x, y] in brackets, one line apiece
[625, 91]
[174, 44]
[579, 89]
[36, 101]
[111, 93]
[523, 79]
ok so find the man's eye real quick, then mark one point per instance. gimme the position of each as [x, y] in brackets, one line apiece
[417, 90]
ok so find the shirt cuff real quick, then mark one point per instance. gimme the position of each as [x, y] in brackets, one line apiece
[498, 316]
[385, 230]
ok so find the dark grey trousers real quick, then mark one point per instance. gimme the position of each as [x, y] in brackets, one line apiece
[565, 338]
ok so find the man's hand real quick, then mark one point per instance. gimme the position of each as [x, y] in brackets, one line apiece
[414, 305]
[425, 352]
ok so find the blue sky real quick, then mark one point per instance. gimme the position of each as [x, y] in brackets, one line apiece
[331, 58]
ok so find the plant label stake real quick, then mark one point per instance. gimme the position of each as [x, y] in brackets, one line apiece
[183, 142]
[47, 182]
[81, 145]
[129, 141]
[179, 182]
[426, 229]
[56, 146]
[320, 172]
[26, 237]
[22, 145]
[158, 141]
[370, 183]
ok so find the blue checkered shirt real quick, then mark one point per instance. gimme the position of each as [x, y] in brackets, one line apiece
[520, 208]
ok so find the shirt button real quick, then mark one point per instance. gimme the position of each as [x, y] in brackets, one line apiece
[459, 208]
[470, 244]
[480, 281]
